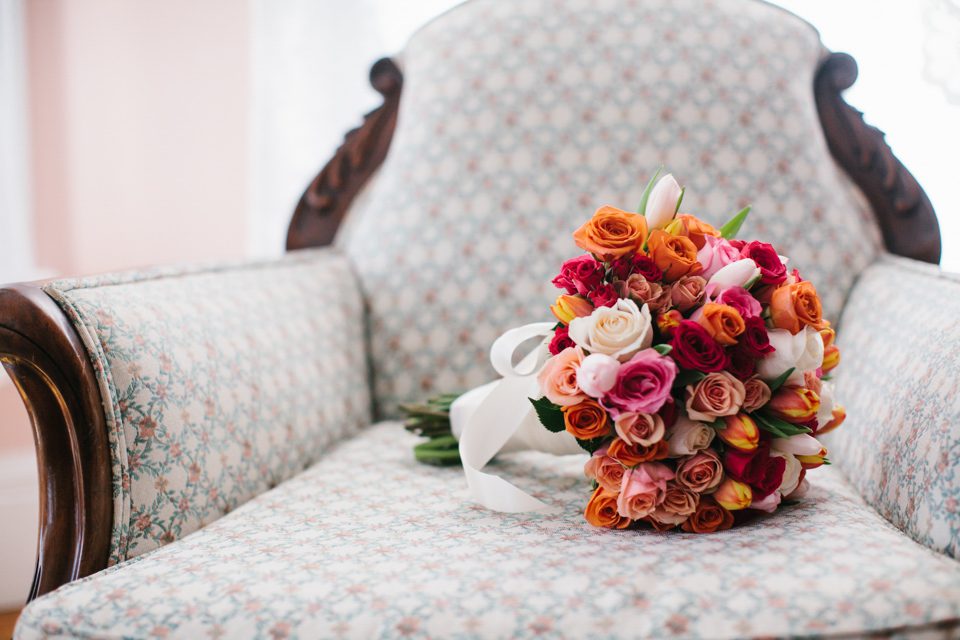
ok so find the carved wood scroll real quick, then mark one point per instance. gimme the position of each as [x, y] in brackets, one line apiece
[322, 207]
[902, 209]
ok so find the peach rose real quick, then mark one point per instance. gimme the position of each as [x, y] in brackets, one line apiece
[644, 429]
[631, 455]
[558, 378]
[587, 420]
[605, 470]
[721, 321]
[612, 233]
[601, 510]
[697, 229]
[793, 306]
[675, 255]
[702, 472]
[756, 394]
[687, 292]
[717, 394]
[687, 437]
[642, 489]
[637, 288]
[708, 517]
[679, 503]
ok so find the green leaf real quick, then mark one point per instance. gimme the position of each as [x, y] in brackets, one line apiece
[780, 379]
[663, 349]
[591, 445]
[732, 227]
[550, 415]
[642, 209]
[777, 427]
[688, 376]
[679, 200]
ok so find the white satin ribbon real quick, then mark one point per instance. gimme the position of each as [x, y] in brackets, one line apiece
[498, 417]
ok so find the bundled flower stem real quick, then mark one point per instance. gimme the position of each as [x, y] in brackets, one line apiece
[432, 421]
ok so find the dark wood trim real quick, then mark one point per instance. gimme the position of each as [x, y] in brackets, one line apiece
[901, 207]
[325, 202]
[49, 365]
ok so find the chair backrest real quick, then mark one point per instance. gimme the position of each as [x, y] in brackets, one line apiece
[518, 119]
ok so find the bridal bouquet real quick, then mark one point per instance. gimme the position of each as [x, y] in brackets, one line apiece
[689, 364]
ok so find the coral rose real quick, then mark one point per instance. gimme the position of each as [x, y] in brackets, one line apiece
[675, 255]
[605, 470]
[796, 305]
[630, 455]
[716, 395]
[586, 421]
[612, 233]
[697, 229]
[687, 292]
[708, 517]
[644, 429]
[642, 489]
[722, 322]
[702, 472]
[558, 378]
[601, 511]
[642, 291]
[679, 503]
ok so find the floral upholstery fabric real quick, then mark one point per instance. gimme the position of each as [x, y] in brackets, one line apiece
[518, 119]
[218, 383]
[350, 549]
[900, 381]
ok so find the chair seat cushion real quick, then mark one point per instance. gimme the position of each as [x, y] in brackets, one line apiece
[367, 543]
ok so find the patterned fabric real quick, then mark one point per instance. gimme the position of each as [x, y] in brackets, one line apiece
[900, 381]
[218, 383]
[518, 119]
[351, 549]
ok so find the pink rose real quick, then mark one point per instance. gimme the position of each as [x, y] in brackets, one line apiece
[558, 378]
[605, 470]
[686, 437]
[715, 254]
[678, 504]
[756, 394]
[700, 472]
[643, 384]
[644, 429]
[604, 296]
[716, 395]
[597, 374]
[580, 275]
[642, 489]
[687, 292]
[741, 300]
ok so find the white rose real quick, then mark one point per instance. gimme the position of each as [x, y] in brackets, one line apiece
[619, 331]
[735, 274]
[687, 437]
[801, 352]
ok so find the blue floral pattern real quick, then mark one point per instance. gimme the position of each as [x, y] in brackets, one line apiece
[518, 119]
[218, 383]
[368, 543]
[900, 381]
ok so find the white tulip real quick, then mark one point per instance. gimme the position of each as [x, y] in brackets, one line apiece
[801, 352]
[811, 358]
[768, 504]
[619, 331]
[791, 473]
[801, 444]
[825, 414]
[662, 203]
[735, 274]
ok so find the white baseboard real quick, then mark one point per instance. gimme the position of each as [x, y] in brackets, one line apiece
[19, 513]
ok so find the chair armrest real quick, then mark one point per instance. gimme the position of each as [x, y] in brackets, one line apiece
[900, 380]
[162, 400]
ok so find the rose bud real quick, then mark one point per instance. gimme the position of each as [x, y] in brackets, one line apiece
[740, 432]
[741, 273]
[667, 322]
[733, 495]
[794, 404]
[597, 374]
[662, 202]
[601, 511]
[568, 307]
[838, 416]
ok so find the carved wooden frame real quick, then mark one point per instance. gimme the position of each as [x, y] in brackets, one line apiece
[48, 362]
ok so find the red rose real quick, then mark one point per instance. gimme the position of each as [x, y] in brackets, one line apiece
[604, 296]
[755, 341]
[580, 275]
[758, 468]
[742, 364]
[624, 267]
[772, 269]
[694, 348]
[561, 340]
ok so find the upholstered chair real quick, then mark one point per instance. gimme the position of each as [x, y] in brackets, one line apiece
[216, 446]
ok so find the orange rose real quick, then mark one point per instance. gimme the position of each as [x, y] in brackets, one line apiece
[630, 455]
[697, 229]
[794, 305]
[601, 511]
[708, 517]
[612, 233]
[675, 255]
[722, 322]
[587, 420]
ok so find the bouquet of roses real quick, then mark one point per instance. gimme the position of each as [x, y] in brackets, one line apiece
[691, 365]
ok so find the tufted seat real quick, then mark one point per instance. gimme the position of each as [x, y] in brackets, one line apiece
[366, 543]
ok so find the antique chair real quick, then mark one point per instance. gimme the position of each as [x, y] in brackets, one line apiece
[208, 467]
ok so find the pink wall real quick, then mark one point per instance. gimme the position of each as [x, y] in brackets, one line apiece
[139, 139]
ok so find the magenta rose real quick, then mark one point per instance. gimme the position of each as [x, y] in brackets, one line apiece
[694, 348]
[604, 296]
[645, 266]
[580, 275]
[741, 300]
[772, 269]
[643, 384]
[561, 340]
[755, 340]
[757, 468]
